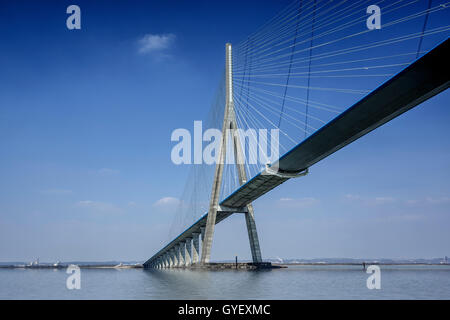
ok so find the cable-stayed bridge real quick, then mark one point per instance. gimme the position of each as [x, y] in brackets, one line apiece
[294, 75]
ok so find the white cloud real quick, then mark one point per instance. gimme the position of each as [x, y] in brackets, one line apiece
[155, 42]
[167, 202]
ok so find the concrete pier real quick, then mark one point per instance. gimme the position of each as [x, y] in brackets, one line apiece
[195, 247]
[187, 252]
[173, 253]
[181, 254]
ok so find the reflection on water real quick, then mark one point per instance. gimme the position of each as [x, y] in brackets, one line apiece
[296, 282]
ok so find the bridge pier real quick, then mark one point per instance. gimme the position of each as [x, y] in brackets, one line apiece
[169, 260]
[202, 231]
[166, 261]
[195, 247]
[183, 253]
[187, 252]
[180, 254]
[173, 253]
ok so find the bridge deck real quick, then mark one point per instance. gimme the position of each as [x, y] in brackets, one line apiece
[420, 81]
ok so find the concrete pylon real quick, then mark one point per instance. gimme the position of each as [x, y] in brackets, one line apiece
[229, 125]
[249, 215]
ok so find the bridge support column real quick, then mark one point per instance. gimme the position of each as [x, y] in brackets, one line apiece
[169, 260]
[181, 254]
[187, 252]
[175, 256]
[202, 230]
[173, 252]
[166, 260]
[195, 247]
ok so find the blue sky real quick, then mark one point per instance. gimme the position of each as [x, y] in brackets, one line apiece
[85, 123]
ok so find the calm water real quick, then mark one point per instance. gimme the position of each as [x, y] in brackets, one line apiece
[299, 282]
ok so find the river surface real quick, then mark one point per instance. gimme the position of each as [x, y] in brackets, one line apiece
[295, 282]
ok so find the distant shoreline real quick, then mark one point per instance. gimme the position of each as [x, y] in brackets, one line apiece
[64, 266]
[140, 266]
[360, 264]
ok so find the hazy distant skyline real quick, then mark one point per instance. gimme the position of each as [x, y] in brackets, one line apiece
[85, 124]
